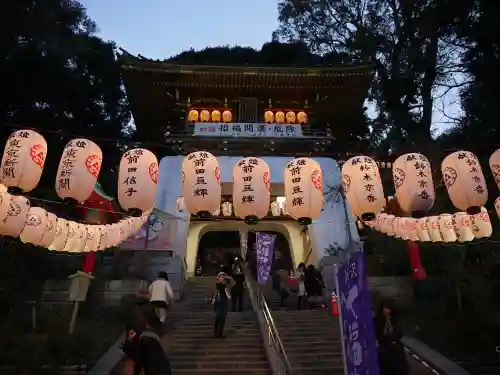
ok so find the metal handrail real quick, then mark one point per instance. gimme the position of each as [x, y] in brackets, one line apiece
[283, 362]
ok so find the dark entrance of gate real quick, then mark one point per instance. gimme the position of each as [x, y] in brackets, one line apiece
[218, 249]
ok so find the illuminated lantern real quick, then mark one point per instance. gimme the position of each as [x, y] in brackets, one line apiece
[411, 224]
[34, 226]
[412, 177]
[61, 237]
[302, 118]
[4, 205]
[388, 225]
[180, 205]
[93, 237]
[138, 180]
[481, 224]
[251, 189]
[201, 189]
[23, 160]
[422, 231]
[50, 230]
[497, 206]
[433, 228]
[78, 170]
[462, 225]
[303, 189]
[227, 116]
[193, 115]
[495, 166]
[275, 208]
[227, 209]
[284, 211]
[446, 228]
[290, 117]
[268, 117]
[82, 235]
[13, 224]
[205, 116]
[216, 212]
[216, 116]
[403, 228]
[102, 237]
[363, 187]
[279, 117]
[395, 227]
[464, 180]
[73, 238]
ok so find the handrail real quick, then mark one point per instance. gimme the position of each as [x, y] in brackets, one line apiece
[283, 362]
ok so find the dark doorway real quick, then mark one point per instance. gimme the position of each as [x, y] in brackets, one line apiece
[218, 249]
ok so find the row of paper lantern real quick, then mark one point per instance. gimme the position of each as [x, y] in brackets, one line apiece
[201, 187]
[226, 208]
[34, 225]
[79, 167]
[290, 117]
[206, 116]
[412, 175]
[460, 227]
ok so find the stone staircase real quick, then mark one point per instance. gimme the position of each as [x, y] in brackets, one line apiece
[193, 350]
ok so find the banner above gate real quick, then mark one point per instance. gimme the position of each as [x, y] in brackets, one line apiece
[212, 129]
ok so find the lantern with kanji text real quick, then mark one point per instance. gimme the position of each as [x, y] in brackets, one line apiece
[303, 190]
[137, 181]
[481, 224]
[279, 117]
[363, 187]
[34, 227]
[412, 177]
[78, 170]
[61, 236]
[50, 230]
[23, 161]
[290, 117]
[446, 228]
[268, 117]
[464, 181]
[13, 224]
[433, 229]
[495, 166]
[251, 189]
[422, 231]
[462, 225]
[201, 189]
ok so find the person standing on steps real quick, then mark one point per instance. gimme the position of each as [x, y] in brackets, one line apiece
[388, 332]
[161, 294]
[301, 288]
[220, 301]
[238, 288]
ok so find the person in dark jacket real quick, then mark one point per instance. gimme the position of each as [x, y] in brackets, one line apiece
[388, 331]
[220, 301]
[146, 351]
[238, 288]
[314, 287]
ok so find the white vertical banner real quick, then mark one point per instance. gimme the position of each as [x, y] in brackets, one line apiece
[244, 242]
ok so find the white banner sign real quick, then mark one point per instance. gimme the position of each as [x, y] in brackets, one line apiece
[211, 129]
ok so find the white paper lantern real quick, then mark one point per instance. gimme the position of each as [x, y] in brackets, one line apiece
[61, 237]
[4, 205]
[495, 166]
[303, 190]
[363, 187]
[404, 228]
[481, 224]
[34, 227]
[497, 206]
[389, 230]
[180, 205]
[93, 238]
[227, 209]
[138, 180]
[23, 160]
[396, 228]
[78, 170]
[422, 231]
[50, 230]
[13, 224]
[216, 212]
[433, 229]
[284, 211]
[251, 189]
[464, 180]
[446, 228]
[81, 237]
[412, 177]
[102, 234]
[462, 225]
[201, 187]
[73, 238]
[410, 228]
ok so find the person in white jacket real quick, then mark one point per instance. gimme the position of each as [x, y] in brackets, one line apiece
[161, 294]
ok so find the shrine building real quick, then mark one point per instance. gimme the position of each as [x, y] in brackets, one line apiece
[240, 111]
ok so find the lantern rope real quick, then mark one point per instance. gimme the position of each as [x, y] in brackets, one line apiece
[77, 206]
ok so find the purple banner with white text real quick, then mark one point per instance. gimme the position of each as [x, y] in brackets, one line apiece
[356, 317]
[265, 252]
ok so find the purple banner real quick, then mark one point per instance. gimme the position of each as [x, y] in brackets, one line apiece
[265, 252]
[360, 347]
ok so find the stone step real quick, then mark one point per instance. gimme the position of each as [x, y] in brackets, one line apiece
[226, 372]
[214, 345]
[333, 362]
[228, 364]
[220, 355]
[230, 332]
